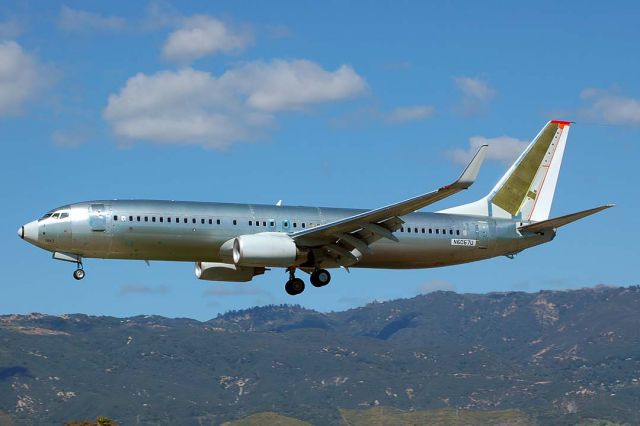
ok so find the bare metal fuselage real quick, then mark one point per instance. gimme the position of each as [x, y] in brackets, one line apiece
[195, 231]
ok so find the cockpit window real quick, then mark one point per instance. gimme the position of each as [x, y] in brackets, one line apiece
[46, 216]
[55, 215]
[64, 215]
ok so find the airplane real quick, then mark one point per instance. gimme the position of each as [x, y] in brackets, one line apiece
[236, 242]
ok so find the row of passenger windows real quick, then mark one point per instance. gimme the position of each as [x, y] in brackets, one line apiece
[203, 221]
[429, 230]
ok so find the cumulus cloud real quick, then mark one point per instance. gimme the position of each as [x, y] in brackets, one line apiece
[203, 35]
[502, 148]
[143, 289]
[194, 107]
[476, 95]
[610, 107]
[21, 76]
[436, 285]
[75, 20]
[409, 113]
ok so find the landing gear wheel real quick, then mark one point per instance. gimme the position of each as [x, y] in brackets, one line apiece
[294, 286]
[320, 277]
[78, 274]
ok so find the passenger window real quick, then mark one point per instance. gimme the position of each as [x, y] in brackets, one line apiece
[295, 225]
[450, 231]
[218, 221]
[444, 231]
[114, 217]
[415, 230]
[193, 220]
[303, 224]
[272, 223]
[423, 230]
[185, 220]
[210, 221]
[457, 232]
[235, 222]
[250, 222]
[437, 231]
[161, 219]
[153, 218]
[264, 223]
[146, 218]
[130, 218]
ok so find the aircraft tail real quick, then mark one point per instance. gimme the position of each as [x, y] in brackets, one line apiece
[526, 190]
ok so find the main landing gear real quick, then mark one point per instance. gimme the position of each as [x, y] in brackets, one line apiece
[320, 277]
[295, 286]
[78, 274]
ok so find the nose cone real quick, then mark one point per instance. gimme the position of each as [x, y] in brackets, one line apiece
[29, 232]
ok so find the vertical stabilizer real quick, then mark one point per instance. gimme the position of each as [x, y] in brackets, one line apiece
[526, 190]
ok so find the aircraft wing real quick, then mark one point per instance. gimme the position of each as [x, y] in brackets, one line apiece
[562, 220]
[347, 239]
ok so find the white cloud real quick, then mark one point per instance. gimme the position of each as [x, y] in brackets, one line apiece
[143, 289]
[282, 85]
[69, 138]
[194, 107]
[76, 20]
[476, 95]
[436, 285]
[203, 35]
[502, 148]
[10, 29]
[231, 290]
[409, 113]
[611, 108]
[20, 77]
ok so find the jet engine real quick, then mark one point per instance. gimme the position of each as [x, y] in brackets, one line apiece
[213, 271]
[263, 249]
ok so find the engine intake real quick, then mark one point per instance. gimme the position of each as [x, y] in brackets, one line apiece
[263, 250]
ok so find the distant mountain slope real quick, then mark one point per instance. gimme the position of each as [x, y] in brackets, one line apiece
[559, 357]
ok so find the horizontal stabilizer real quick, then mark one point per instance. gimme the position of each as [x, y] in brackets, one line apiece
[562, 220]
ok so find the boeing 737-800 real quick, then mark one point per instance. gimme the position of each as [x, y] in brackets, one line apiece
[236, 242]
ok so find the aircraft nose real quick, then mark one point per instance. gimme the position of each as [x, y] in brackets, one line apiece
[29, 232]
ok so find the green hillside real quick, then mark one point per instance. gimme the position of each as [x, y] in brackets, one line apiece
[564, 357]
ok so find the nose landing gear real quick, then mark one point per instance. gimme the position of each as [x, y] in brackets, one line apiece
[78, 274]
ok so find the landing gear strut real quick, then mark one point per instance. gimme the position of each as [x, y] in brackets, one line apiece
[320, 277]
[295, 285]
[78, 274]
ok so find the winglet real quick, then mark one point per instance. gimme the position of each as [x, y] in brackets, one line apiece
[470, 173]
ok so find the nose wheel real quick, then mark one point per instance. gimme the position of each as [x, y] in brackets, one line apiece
[78, 274]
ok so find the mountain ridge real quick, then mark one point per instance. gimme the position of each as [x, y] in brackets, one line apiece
[568, 355]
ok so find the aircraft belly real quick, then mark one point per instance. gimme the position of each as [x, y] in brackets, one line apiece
[418, 254]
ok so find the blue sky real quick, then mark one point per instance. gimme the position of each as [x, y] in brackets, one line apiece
[316, 103]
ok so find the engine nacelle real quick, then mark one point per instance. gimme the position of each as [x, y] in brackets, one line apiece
[262, 250]
[213, 271]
